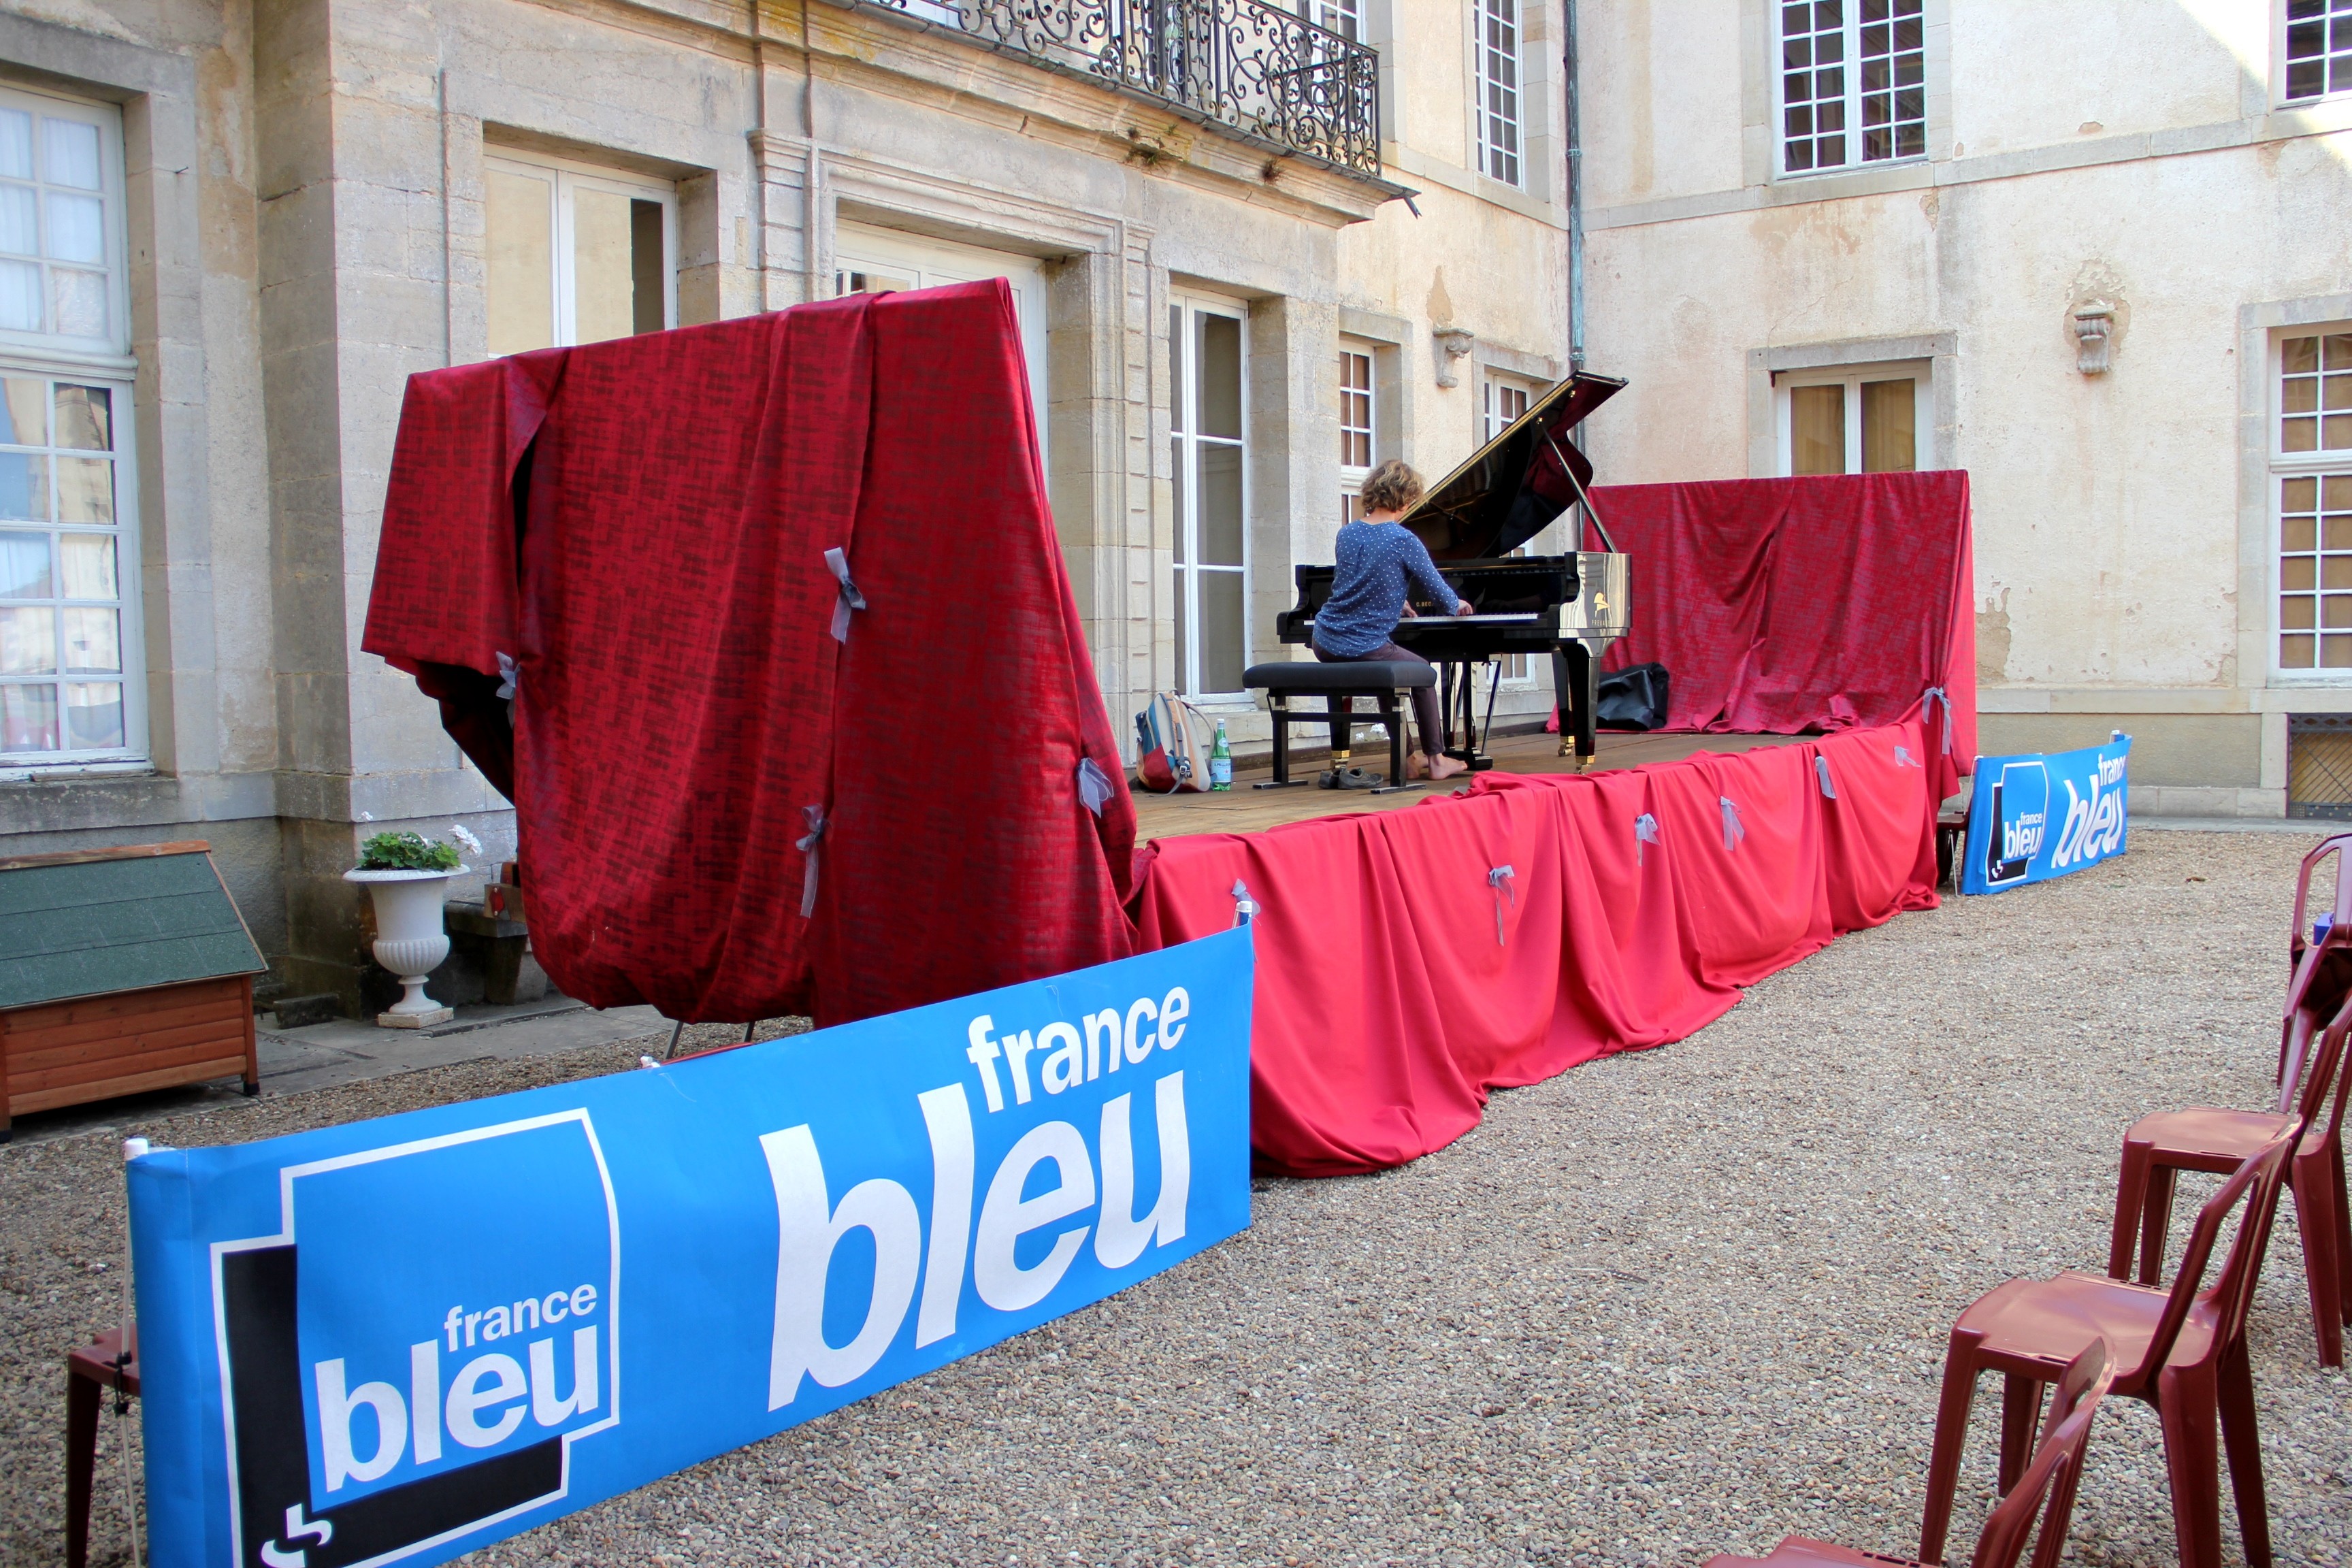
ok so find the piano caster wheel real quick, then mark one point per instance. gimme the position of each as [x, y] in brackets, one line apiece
[1567, 747]
[1585, 764]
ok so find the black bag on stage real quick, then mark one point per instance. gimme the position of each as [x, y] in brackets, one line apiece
[1634, 697]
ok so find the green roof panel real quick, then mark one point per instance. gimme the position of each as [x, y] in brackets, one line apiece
[88, 927]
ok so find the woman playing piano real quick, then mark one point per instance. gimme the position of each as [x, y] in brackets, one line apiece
[1378, 562]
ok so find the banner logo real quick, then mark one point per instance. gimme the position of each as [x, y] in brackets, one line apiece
[361, 1428]
[2034, 817]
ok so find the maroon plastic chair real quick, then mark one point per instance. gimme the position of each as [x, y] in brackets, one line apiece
[2182, 1350]
[2157, 1148]
[105, 1365]
[2057, 1467]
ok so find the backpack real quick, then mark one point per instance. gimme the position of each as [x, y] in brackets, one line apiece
[1171, 746]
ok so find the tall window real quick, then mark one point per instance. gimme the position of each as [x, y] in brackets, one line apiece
[1854, 81]
[2310, 459]
[1207, 416]
[577, 255]
[1355, 430]
[2318, 47]
[1852, 421]
[68, 554]
[1496, 45]
[1345, 17]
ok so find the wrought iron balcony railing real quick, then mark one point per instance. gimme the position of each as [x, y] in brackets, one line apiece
[1266, 71]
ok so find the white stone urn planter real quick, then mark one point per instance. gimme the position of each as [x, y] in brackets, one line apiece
[411, 939]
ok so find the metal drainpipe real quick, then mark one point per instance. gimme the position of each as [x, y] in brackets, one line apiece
[1575, 204]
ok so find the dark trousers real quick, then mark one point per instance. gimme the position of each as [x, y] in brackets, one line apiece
[1424, 698]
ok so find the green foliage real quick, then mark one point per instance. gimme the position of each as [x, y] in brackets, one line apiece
[407, 852]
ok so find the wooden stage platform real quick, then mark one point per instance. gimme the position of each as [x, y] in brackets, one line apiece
[1245, 809]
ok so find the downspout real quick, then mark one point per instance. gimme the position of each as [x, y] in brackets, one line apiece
[1575, 203]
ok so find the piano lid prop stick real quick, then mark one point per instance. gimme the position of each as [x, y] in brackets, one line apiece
[1493, 684]
[1581, 494]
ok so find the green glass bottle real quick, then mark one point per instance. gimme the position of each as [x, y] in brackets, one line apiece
[1221, 761]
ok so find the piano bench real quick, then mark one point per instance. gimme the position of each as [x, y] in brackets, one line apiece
[1338, 685]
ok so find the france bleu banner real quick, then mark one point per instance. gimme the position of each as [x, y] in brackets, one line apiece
[2039, 816]
[400, 1340]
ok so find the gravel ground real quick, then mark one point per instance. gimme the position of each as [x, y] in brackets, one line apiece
[1678, 1302]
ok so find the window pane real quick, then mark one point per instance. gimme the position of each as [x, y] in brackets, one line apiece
[72, 154]
[521, 283]
[648, 292]
[28, 640]
[1218, 370]
[1817, 430]
[24, 565]
[1889, 418]
[1176, 357]
[20, 297]
[93, 641]
[19, 232]
[2297, 652]
[85, 418]
[1221, 507]
[1183, 619]
[23, 487]
[22, 421]
[76, 228]
[16, 144]
[604, 275]
[1224, 650]
[93, 714]
[2296, 612]
[2300, 572]
[85, 489]
[28, 718]
[1176, 469]
[87, 565]
[77, 303]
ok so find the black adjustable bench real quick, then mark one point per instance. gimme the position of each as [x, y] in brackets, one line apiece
[1339, 685]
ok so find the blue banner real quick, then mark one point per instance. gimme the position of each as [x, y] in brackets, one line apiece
[400, 1340]
[2040, 815]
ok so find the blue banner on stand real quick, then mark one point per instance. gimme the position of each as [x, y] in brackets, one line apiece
[2040, 815]
[400, 1340]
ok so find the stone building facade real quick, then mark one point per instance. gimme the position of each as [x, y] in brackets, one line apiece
[2100, 259]
[1255, 249]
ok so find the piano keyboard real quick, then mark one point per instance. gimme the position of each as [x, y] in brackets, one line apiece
[1526, 619]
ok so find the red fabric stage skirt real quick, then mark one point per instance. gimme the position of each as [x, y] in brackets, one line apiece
[1403, 973]
[1783, 606]
[641, 528]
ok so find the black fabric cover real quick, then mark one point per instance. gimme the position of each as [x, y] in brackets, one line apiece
[1633, 698]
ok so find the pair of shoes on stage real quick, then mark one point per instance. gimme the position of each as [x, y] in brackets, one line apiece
[1349, 778]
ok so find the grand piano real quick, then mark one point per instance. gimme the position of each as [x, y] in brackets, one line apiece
[1568, 606]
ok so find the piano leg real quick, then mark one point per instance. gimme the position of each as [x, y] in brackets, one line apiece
[1575, 675]
[1458, 704]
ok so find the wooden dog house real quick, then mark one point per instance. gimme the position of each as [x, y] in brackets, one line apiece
[121, 970]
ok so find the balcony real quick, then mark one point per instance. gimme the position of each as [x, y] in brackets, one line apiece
[1269, 74]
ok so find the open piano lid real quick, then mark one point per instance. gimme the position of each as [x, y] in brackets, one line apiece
[1512, 487]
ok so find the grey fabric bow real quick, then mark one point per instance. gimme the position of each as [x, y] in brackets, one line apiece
[1245, 908]
[1822, 772]
[850, 599]
[510, 684]
[1733, 830]
[806, 843]
[1646, 831]
[1942, 699]
[1094, 785]
[1904, 759]
[1502, 879]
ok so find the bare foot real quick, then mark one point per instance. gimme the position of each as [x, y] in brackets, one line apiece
[1416, 765]
[1446, 767]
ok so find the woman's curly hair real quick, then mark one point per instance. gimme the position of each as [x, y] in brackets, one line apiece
[1392, 487]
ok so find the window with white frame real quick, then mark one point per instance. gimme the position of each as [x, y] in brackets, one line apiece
[1208, 418]
[70, 655]
[2318, 48]
[577, 254]
[1495, 41]
[1853, 83]
[1355, 429]
[1500, 403]
[2311, 476]
[1345, 17]
[1865, 419]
